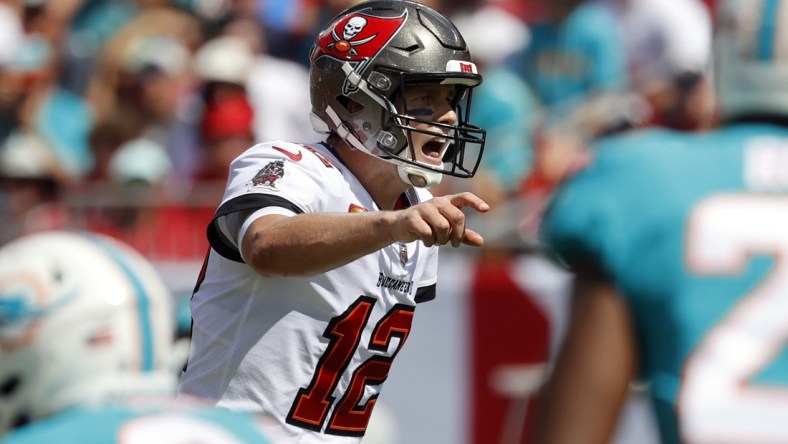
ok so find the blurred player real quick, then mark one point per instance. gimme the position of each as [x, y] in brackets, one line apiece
[321, 252]
[86, 331]
[679, 241]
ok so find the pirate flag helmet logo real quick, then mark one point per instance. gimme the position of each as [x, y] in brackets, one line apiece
[357, 37]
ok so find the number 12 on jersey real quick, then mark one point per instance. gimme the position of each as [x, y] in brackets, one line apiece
[312, 404]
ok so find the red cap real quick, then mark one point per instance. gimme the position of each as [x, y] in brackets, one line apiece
[231, 116]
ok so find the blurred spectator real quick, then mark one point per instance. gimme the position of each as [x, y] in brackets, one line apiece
[221, 67]
[277, 88]
[225, 126]
[667, 48]
[32, 100]
[31, 185]
[575, 52]
[226, 130]
[142, 81]
[93, 24]
[247, 95]
[225, 60]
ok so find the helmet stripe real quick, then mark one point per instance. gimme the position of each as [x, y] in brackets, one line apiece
[768, 30]
[143, 302]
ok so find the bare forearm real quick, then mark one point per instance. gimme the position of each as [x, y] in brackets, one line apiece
[592, 374]
[309, 244]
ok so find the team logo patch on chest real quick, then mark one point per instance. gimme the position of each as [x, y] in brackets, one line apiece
[269, 175]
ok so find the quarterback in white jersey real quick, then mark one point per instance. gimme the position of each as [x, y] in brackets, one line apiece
[303, 332]
[320, 253]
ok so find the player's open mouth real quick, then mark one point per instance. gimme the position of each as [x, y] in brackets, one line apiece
[433, 149]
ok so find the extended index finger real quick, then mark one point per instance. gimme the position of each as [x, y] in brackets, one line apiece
[468, 199]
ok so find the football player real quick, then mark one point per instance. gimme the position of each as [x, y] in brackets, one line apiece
[678, 241]
[321, 252]
[86, 335]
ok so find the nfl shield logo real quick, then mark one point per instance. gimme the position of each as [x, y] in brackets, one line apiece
[403, 253]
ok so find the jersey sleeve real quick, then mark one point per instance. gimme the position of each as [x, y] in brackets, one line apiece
[283, 177]
[584, 225]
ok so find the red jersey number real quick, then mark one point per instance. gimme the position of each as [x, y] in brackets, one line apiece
[312, 404]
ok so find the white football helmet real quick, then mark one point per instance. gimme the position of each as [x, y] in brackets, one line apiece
[84, 320]
[751, 54]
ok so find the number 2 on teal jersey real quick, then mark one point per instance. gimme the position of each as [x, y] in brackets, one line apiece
[716, 402]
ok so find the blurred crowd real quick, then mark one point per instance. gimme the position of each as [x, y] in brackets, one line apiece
[121, 116]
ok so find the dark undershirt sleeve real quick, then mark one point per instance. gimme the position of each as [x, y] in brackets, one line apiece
[425, 294]
[246, 202]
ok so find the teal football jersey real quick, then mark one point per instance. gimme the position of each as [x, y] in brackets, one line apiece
[138, 425]
[692, 228]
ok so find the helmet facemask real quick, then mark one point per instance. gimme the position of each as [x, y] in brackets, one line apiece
[463, 143]
[355, 81]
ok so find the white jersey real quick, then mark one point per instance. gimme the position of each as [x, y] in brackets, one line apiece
[313, 352]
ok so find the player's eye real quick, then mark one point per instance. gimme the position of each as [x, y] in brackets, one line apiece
[423, 99]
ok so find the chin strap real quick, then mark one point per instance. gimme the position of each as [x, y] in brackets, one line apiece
[410, 174]
[418, 177]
